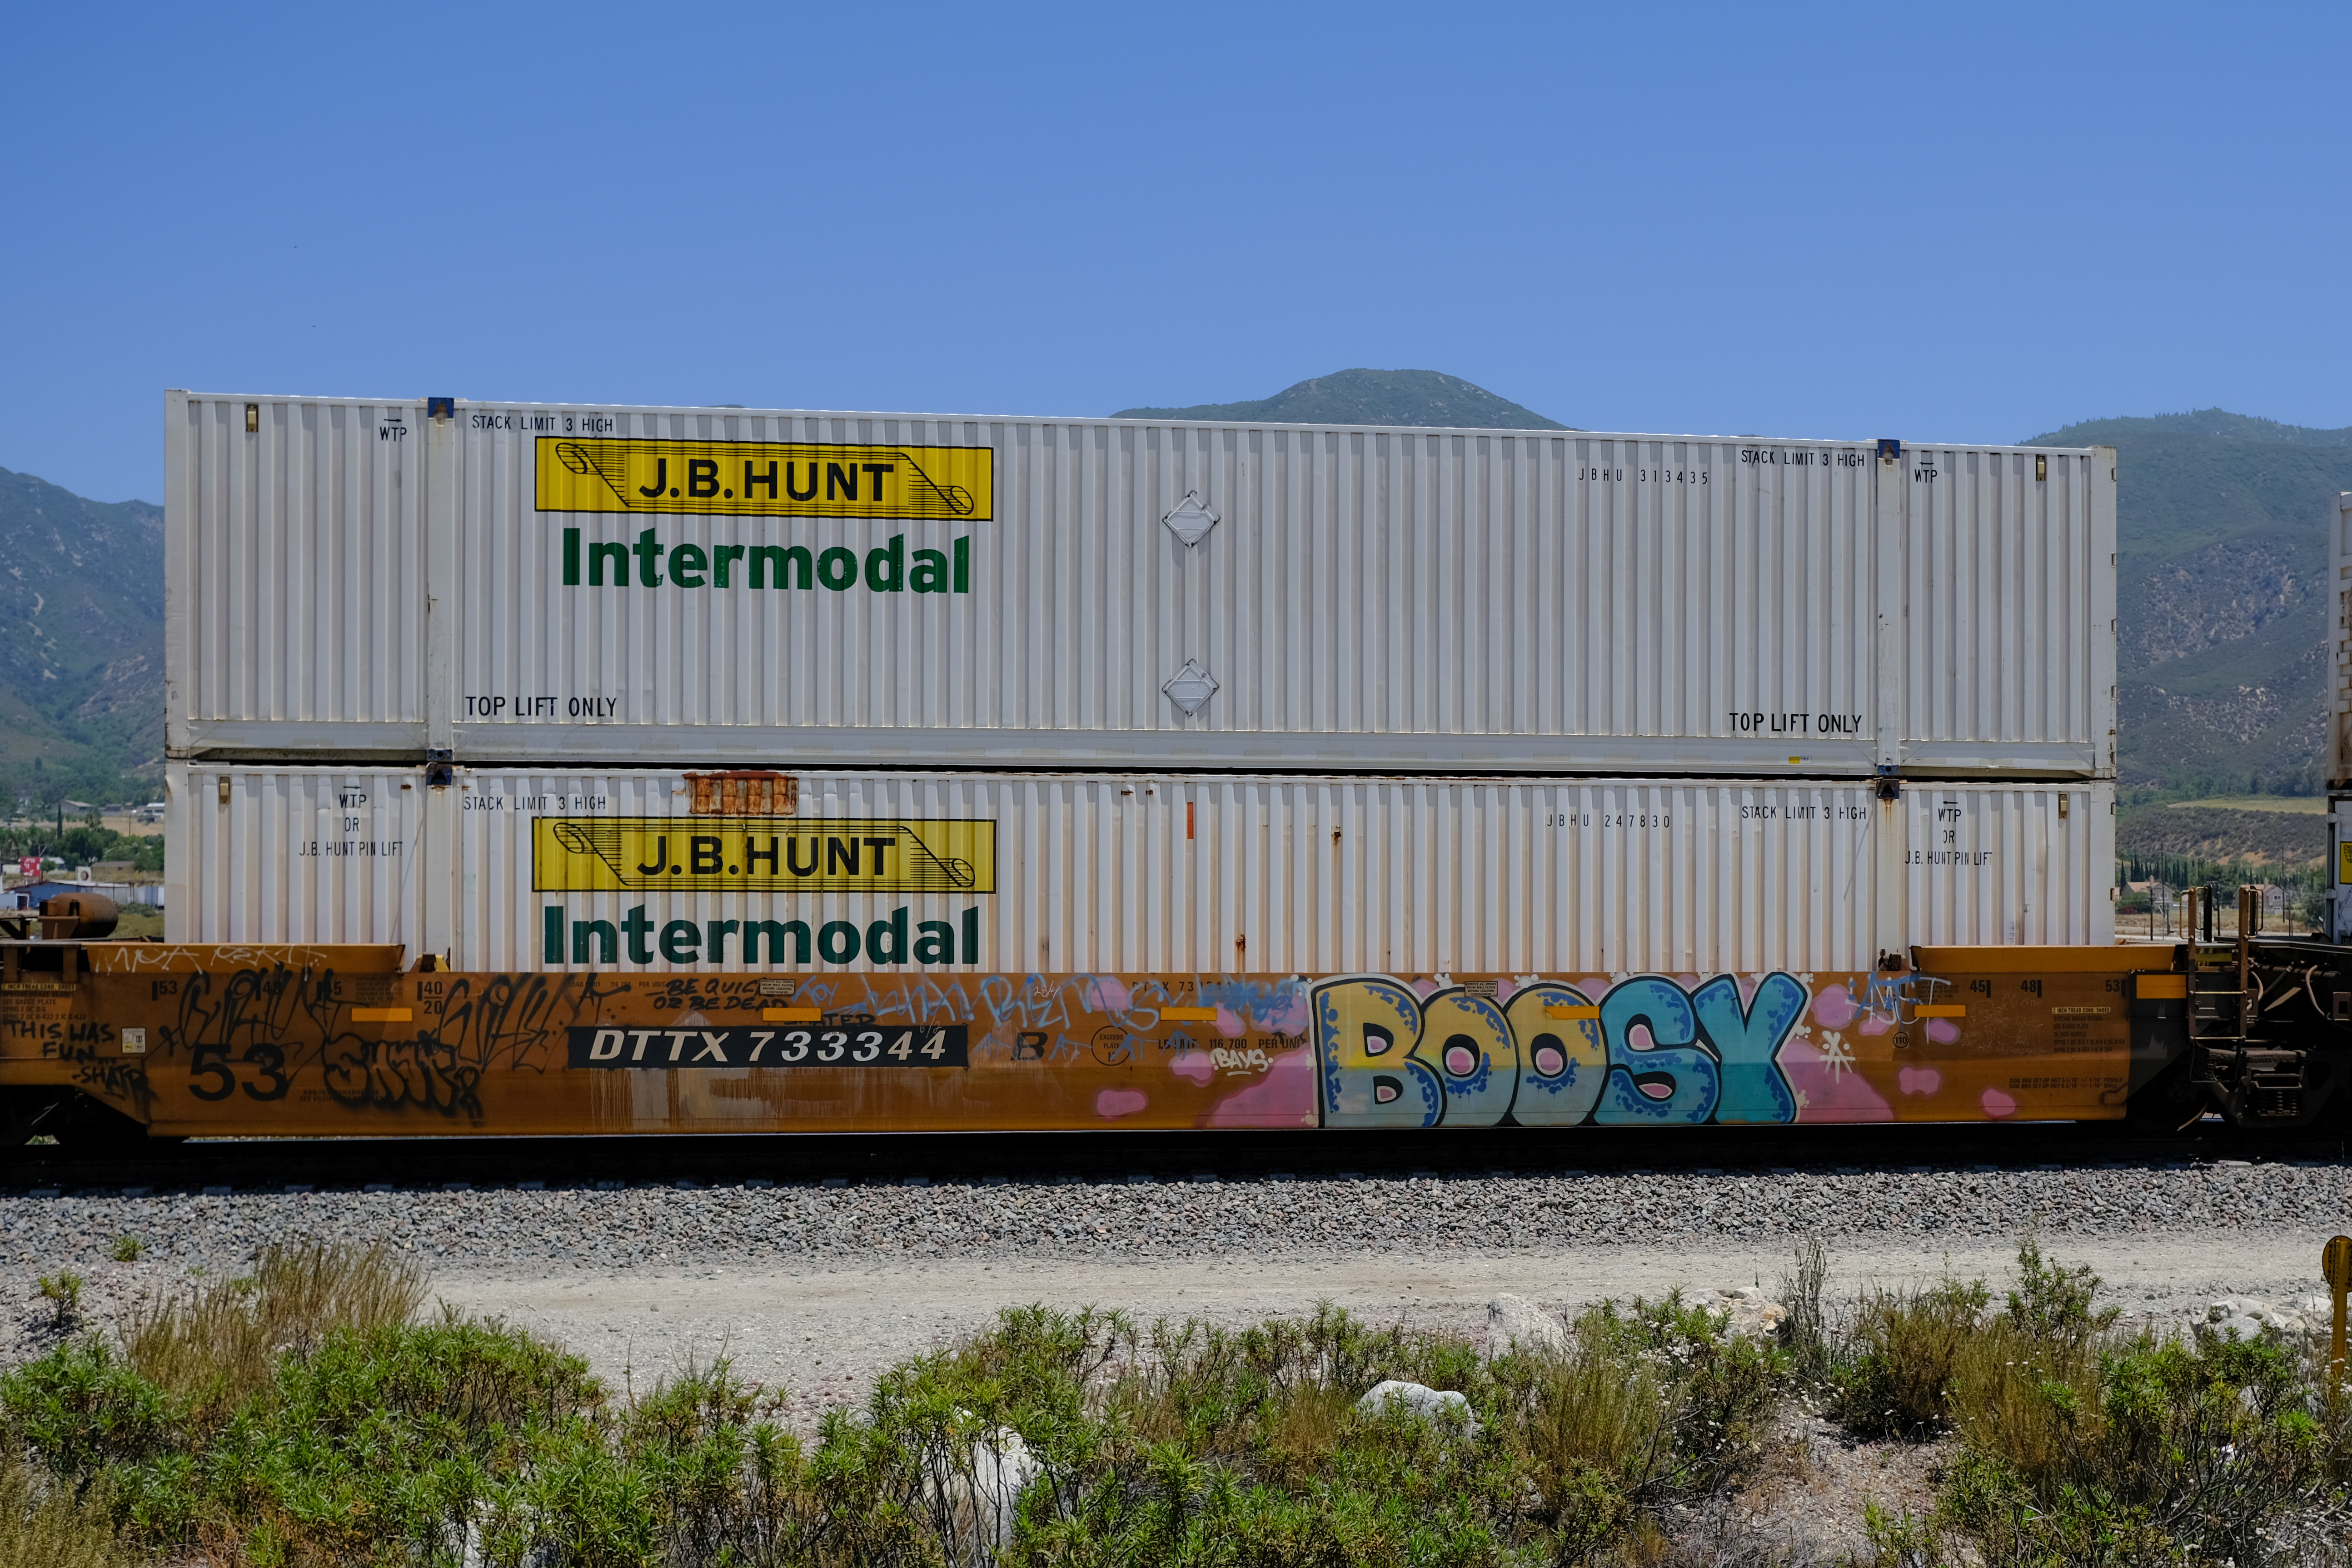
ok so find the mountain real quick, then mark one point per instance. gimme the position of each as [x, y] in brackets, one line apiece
[1368, 398]
[2221, 596]
[81, 666]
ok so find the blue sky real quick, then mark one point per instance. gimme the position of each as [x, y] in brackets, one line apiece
[1940, 222]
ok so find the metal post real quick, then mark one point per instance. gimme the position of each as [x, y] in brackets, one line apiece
[2335, 1268]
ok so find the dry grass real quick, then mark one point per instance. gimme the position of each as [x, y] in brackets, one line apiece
[138, 923]
[2030, 1400]
[45, 1525]
[217, 1342]
[1600, 1433]
[1903, 1353]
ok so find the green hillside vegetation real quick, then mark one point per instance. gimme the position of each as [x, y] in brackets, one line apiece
[2221, 602]
[2282, 840]
[1368, 398]
[81, 667]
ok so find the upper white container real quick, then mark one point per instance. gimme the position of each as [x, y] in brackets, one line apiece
[540, 585]
[514, 870]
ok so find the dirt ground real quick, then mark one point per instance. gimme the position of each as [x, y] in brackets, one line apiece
[822, 1334]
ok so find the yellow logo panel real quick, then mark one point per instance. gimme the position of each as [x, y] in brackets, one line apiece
[766, 479]
[2344, 861]
[760, 855]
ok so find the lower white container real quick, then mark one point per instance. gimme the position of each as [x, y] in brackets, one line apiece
[675, 871]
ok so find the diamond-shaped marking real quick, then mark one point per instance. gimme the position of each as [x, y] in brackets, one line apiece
[1191, 521]
[1189, 687]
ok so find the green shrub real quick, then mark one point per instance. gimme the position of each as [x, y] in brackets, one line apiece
[83, 1409]
[63, 1293]
[2082, 1448]
[2053, 1305]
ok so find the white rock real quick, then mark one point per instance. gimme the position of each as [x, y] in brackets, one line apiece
[1002, 1469]
[983, 1487]
[1419, 1398]
[1753, 1315]
[1516, 1321]
[2245, 1317]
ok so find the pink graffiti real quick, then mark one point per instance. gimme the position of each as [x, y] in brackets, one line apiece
[1284, 1097]
[1290, 1016]
[1113, 1103]
[1919, 1080]
[1827, 1090]
[1943, 1031]
[1997, 1105]
[1229, 1026]
[1194, 1065]
[1109, 996]
[1834, 1007]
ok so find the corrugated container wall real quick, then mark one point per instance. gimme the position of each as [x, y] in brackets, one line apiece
[566, 586]
[1132, 873]
[2339, 726]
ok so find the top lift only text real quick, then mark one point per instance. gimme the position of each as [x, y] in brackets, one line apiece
[1797, 723]
[542, 707]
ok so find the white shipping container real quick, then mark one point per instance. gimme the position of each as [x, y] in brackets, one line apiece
[512, 869]
[560, 586]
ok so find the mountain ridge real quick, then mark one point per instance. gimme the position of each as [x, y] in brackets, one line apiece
[2217, 422]
[1368, 398]
[81, 696]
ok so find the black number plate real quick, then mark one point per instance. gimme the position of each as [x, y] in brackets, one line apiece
[815, 1046]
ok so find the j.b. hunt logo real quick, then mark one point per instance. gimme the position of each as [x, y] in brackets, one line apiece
[766, 479]
[762, 854]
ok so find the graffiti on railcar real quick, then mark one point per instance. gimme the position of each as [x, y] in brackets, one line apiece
[1645, 1049]
[95, 1050]
[265, 1046]
[485, 1024]
[256, 1033]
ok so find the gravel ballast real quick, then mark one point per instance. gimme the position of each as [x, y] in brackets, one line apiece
[597, 1226]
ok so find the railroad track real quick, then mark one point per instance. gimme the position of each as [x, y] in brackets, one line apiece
[717, 1159]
